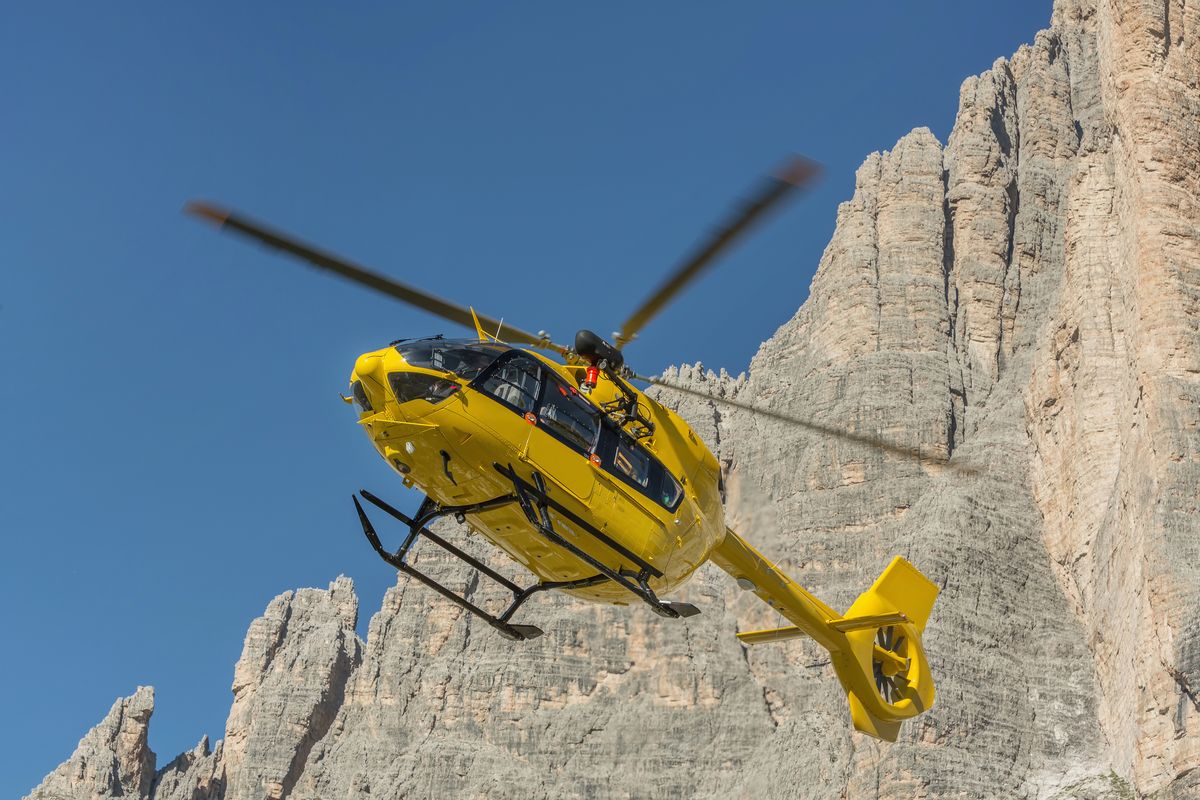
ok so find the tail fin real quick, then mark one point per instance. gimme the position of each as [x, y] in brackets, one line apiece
[890, 654]
[875, 647]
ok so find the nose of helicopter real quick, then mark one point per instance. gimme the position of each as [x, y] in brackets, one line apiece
[367, 383]
[394, 387]
[381, 381]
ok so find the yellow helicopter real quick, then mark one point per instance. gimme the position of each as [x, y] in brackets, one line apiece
[592, 485]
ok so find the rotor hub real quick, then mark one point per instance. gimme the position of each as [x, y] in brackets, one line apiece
[891, 664]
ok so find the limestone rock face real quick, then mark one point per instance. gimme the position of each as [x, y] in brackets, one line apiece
[198, 774]
[288, 687]
[1024, 300]
[113, 760]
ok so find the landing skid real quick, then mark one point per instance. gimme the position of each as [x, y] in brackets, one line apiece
[536, 503]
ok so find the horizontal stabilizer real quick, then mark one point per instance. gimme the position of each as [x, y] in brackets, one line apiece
[772, 635]
[869, 621]
[842, 624]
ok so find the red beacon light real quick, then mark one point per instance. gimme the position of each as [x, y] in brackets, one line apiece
[589, 382]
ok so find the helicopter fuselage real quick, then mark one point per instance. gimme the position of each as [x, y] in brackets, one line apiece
[449, 415]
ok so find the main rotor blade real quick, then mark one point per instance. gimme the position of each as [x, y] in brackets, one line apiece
[816, 427]
[278, 240]
[797, 173]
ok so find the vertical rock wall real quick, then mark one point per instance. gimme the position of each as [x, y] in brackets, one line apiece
[1025, 299]
[1113, 401]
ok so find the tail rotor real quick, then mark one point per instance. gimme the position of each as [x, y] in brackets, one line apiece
[890, 664]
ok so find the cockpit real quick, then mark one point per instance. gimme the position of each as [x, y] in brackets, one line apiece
[439, 367]
[464, 357]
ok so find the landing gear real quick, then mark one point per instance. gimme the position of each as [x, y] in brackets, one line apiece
[535, 502]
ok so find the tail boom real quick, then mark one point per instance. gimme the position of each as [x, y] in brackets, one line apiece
[875, 647]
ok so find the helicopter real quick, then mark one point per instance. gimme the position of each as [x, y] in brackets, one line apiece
[593, 486]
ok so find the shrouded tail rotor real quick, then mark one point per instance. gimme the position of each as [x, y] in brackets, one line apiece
[890, 665]
[884, 670]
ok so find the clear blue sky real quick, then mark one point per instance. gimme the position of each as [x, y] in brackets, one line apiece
[173, 452]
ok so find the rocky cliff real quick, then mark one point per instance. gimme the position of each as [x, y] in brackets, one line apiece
[1024, 299]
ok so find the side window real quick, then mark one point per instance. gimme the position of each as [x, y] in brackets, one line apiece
[671, 492]
[568, 417]
[514, 382]
[625, 459]
[633, 462]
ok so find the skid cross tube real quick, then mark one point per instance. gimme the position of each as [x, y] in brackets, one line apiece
[430, 511]
[536, 503]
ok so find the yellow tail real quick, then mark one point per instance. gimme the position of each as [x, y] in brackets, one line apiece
[891, 655]
[875, 647]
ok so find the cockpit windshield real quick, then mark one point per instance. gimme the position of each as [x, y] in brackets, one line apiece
[463, 357]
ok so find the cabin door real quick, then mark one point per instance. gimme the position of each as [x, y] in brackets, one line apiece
[564, 438]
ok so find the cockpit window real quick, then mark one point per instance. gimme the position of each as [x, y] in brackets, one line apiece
[567, 416]
[466, 359]
[519, 381]
[408, 386]
[360, 398]
[514, 382]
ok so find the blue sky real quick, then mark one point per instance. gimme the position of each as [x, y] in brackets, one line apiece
[174, 453]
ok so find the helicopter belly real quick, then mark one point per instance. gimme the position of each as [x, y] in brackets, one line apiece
[445, 458]
[455, 454]
[613, 516]
[588, 496]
